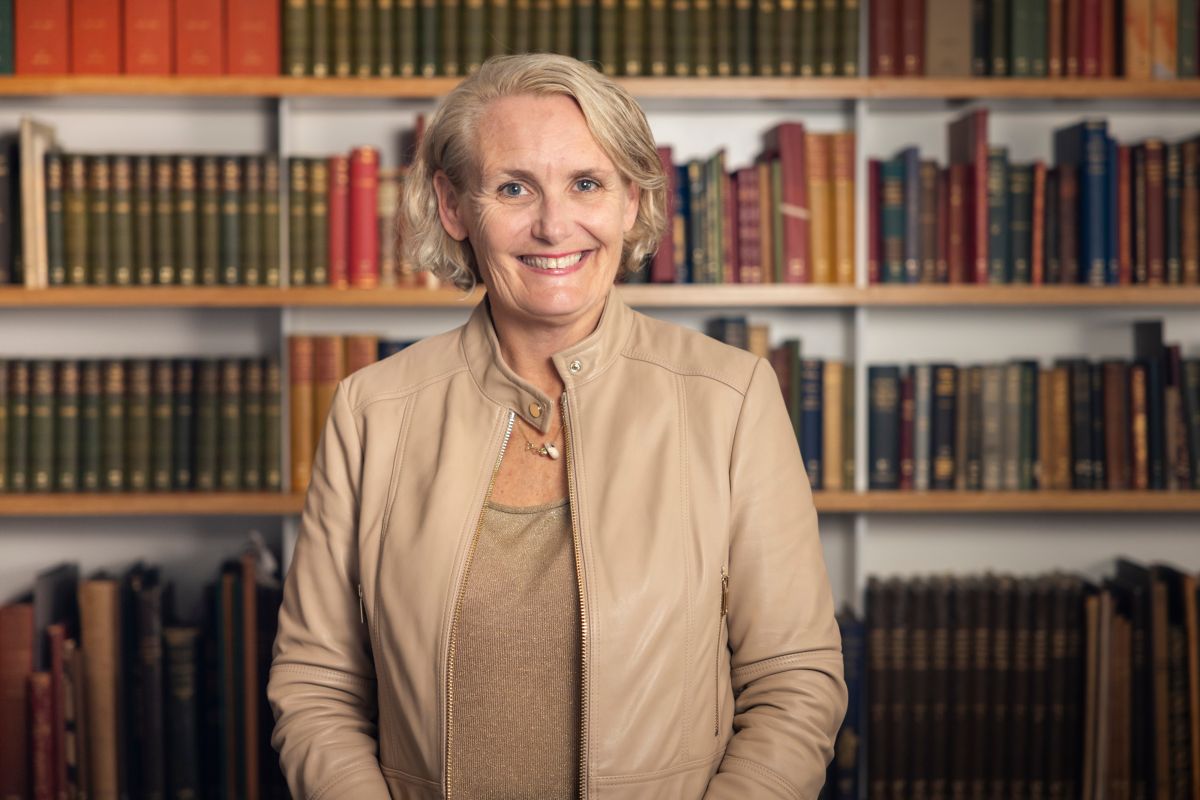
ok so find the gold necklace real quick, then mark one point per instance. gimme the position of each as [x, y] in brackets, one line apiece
[546, 449]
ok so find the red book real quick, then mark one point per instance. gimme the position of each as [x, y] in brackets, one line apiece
[363, 241]
[41, 726]
[969, 146]
[787, 141]
[1037, 264]
[1089, 39]
[912, 37]
[96, 37]
[1156, 229]
[41, 33]
[729, 229]
[957, 261]
[885, 38]
[907, 424]
[148, 37]
[1124, 216]
[199, 43]
[338, 209]
[1068, 198]
[16, 665]
[874, 209]
[662, 267]
[252, 31]
[942, 193]
[749, 232]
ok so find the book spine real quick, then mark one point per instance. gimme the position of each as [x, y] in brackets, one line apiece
[66, 427]
[808, 239]
[943, 425]
[912, 37]
[1042, 468]
[252, 37]
[1027, 449]
[584, 36]
[137, 425]
[807, 62]
[56, 256]
[91, 427]
[165, 268]
[992, 415]
[162, 459]
[1173, 254]
[658, 43]
[1081, 424]
[185, 234]
[999, 269]
[99, 228]
[363, 244]
[1116, 425]
[1164, 47]
[298, 222]
[1155, 212]
[42, 37]
[1191, 413]
[884, 39]
[1010, 435]
[121, 264]
[1020, 192]
[1052, 248]
[912, 214]
[472, 45]
[884, 389]
[231, 219]
[250, 222]
[199, 37]
[181, 699]
[608, 35]
[893, 226]
[41, 742]
[96, 37]
[18, 426]
[342, 35]
[318, 223]
[1138, 28]
[681, 34]
[298, 57]
[40, 477]
[113, 427]
[209, 236]
[183, 424]
[542, 25]
[1037, 223]
[1189, 212]
[231, 426]
[827, 38]
[301, 411]
[980, 40]
[406, 34]
[842, 144]
[723, 36]
[705, 54]
[269, 203]
[957, 253]
[848, 45]
[812, 421]
[385, 42]
[363, 39]
[385, 210]
[832, 442]
[998, 45]
[207, 415]
[1020, 25]
[766, 50]
[272, 426]
[1068, 230]
[252, 424]
[927, 222]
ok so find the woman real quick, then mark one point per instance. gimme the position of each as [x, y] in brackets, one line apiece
[566, 549]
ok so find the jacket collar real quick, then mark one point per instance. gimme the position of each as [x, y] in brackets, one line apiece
[576, 365]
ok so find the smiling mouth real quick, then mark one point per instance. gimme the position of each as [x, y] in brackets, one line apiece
[549, 263]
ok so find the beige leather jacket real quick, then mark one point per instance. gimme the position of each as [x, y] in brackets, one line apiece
[712, 664]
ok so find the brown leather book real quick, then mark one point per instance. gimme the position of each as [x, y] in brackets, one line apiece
[1073, 30]
[1037, 263]
[1155, 233]
[842, 144]
[1055, 11]
[300, 401]
[1060, 410]
[919, 691]
[100, 621]
[1003, 624]
[958, 264]
[329, 367]
[1043, 470]
[56, 637]
[878, 601]
[1068, 249]
[1091, 693]
[983, 734]
[41, 739]
[74, 720]
[199, 43]
[1022, 652]
[250, 685]
[766, 223]
[961, 687]
[833, 447]
[1116, 425]
[968, 142]
[899, 688]
[1124, 215]
[885, 37]
[16, 665]
[912, 38]
[42, 37]
[927, 220]
[820, 205]
[942, 224]
[1108, 38]
[947, 38]
[749, 226]
[1139, 441]
[147, 37]
[1190, 216]
[1118, 775]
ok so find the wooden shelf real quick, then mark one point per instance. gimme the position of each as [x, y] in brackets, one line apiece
[113, 504]
[668, 88]
[639, 295]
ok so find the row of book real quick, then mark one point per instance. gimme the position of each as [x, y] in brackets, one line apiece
[1077, 424]
[786, 218]
[818, 393]
[1051, 685]
[623, 37]
[107, 691]
[139, 37]
[1138, 39]
[139, 425]
[1103, 213]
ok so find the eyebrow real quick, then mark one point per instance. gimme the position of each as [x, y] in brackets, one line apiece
[525, 175]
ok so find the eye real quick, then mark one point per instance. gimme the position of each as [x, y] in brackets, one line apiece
[512, 190]
[587, 185]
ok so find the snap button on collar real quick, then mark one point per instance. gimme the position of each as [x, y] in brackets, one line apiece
[575, 366]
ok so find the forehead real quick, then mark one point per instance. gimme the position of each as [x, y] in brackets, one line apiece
[537, 134]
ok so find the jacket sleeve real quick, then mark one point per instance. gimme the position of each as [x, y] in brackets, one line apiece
[790, 694]
[322, 680]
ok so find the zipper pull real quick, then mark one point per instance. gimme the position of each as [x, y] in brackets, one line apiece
[362, 614]
[724, 591]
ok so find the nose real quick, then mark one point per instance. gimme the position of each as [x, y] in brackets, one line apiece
[551, 222]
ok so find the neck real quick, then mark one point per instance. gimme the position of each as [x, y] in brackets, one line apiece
[528, 348]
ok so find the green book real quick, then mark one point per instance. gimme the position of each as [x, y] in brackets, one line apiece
[137, 425]
[295, 38]
[321, 30]
[1021, 13]
[998, 216]
[787, 37]
[75, 222]
[521, 30]
[406, 38]
[364, 38]
[188, 248]
[164, 221]
[451, 31]
[298, 220]
[827, 38]
[112, 424]
[41, 427]
[848, 48]
[56, 254]
[659, 41]
[633, 24]
[252, 425]
[122, 221]
[766, 22]
[681, 36]
[609, 35]
[318, 222]
[585, 29]
[143, 221]
[806, 30]
[231, 217]
[1027, 449]
[704, 60]
[998, 45]
[270, 220]
[18, 426]
[563, 27]
[207, 411]
[91, 426]
[723, 36]
[7, 59]
[251, 221]
[385, 46]
[429, 41]
[272, 426]
[183, 425]
[892, 224]
[1186, 53]
[1020, 182]
[4, 401]
[743, 37]
[1037, 39]
[162, 437]
[230, 424]
[209, 245]
[848, 425]
[99, 221]
[66, 427]
[342, 38]
[1173, 208]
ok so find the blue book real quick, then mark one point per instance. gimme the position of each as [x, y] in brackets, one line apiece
[892, 222]
[812, 395]
[1084, 146]
[389, 347]
[846, 757]
[883, 439]
[910, 157]
[1112, 216]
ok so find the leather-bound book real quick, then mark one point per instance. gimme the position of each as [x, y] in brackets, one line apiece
[209, 244]
[1080, 417]
[1116, 425]
[252, 424]
[1052, 248]
[429, 42]
[1140, 223]
[342, 35]
[812, 391]
[1175, 591]
[885, 37]
[1003, 624]
[828, 35]
[230, 668]
[874, 220]
[40, 477]
[1019, 689]
[65, 466]
[1139, 427]
[122, 221]
[1039, 687]
[229, 451]
[947, 39]
[363, 243]
[1186, 40]
[958, 267]
[1081, 151]
[1164, 41]
[998, 39]
[1020, 198]
[999, 217]
[849, 452]
[1179, 465]
[1028, 423]
[407, 27]
[1067, 224]
[962, 634]
[910, 158]
[1020, 24]
[41, 36]
[247, 607]
[922, 424]
[962, 418]
[362, 37]
[820, 266]
[907, 428]
[899, 688]
[147, 34]
[848, 749]
[183, 423]
[298, 55]
[40, 733]
[99, 228]
[723, 53]
[883, 384]
[1150, 353]
[338, 225]
[1037, 224]
[199, 39]
[16, 665]
[1190, 212]
[743, 34]
[56, 637]
[1010, 479]
[96, 37]
[1155, 211]
[137, 425]
[920, 692]
[807, 33]
[968, 145]
[298, 236]
[842, 145]
[231, 219]
[1043, 466]
[385, 32]
[584, 35]
[301, 410]
[1072, 38]
[765, 49]
[162, 425]
[938, 697]
[100, 618]
[704, 59]
[252, 37]
[927, 221]
[165, 266]
[472, 33]
[56, 255]
[943, 425]
[146, 682]
[1191, 412]
[91, 475]
[1055, 57]
[251, 222]
[662, 266]
[19, 396]
[833, 445]
[992, 428]
[272, 426]
[270, 220]
[207, 412]
[183, 212]
[980, 39]
[1173, 192]
[912, 38]
[680, 24]
[180, 711]
[848, 46]
[318, 223]
[878, 680]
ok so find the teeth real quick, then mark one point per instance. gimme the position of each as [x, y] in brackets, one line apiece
[540, 262]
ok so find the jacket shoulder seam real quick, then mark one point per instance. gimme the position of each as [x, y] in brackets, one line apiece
[650, 358]
[766, 772]
[408, 390]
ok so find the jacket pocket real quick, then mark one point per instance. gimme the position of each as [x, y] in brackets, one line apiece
[720, 632]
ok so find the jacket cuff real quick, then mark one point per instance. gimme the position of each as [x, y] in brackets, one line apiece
[361, 783]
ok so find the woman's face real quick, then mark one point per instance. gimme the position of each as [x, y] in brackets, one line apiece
[550, 214]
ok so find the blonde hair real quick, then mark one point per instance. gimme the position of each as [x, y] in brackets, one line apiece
[448, 143]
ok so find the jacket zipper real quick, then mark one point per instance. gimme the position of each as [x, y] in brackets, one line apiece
[720, 627]
[458, 600]
[362, 613]
[583, 617]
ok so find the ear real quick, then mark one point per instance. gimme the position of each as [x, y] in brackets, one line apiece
[449, 207]
[633, 195]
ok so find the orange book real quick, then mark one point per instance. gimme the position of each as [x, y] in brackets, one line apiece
[41, 35]
[1044, 421]
[252, 37]
[199, 40]
[1138, 19]
[843, 208]
[820, 206]
[833, 467]
[361, 350]
[148, 37]
[1164, 46]
[100, 623]
[329, 367]
[300, 400]
[96, 37]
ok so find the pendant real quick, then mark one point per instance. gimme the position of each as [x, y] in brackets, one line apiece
[549, 449]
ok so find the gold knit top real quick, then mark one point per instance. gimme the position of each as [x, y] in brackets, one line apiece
[516, 673]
